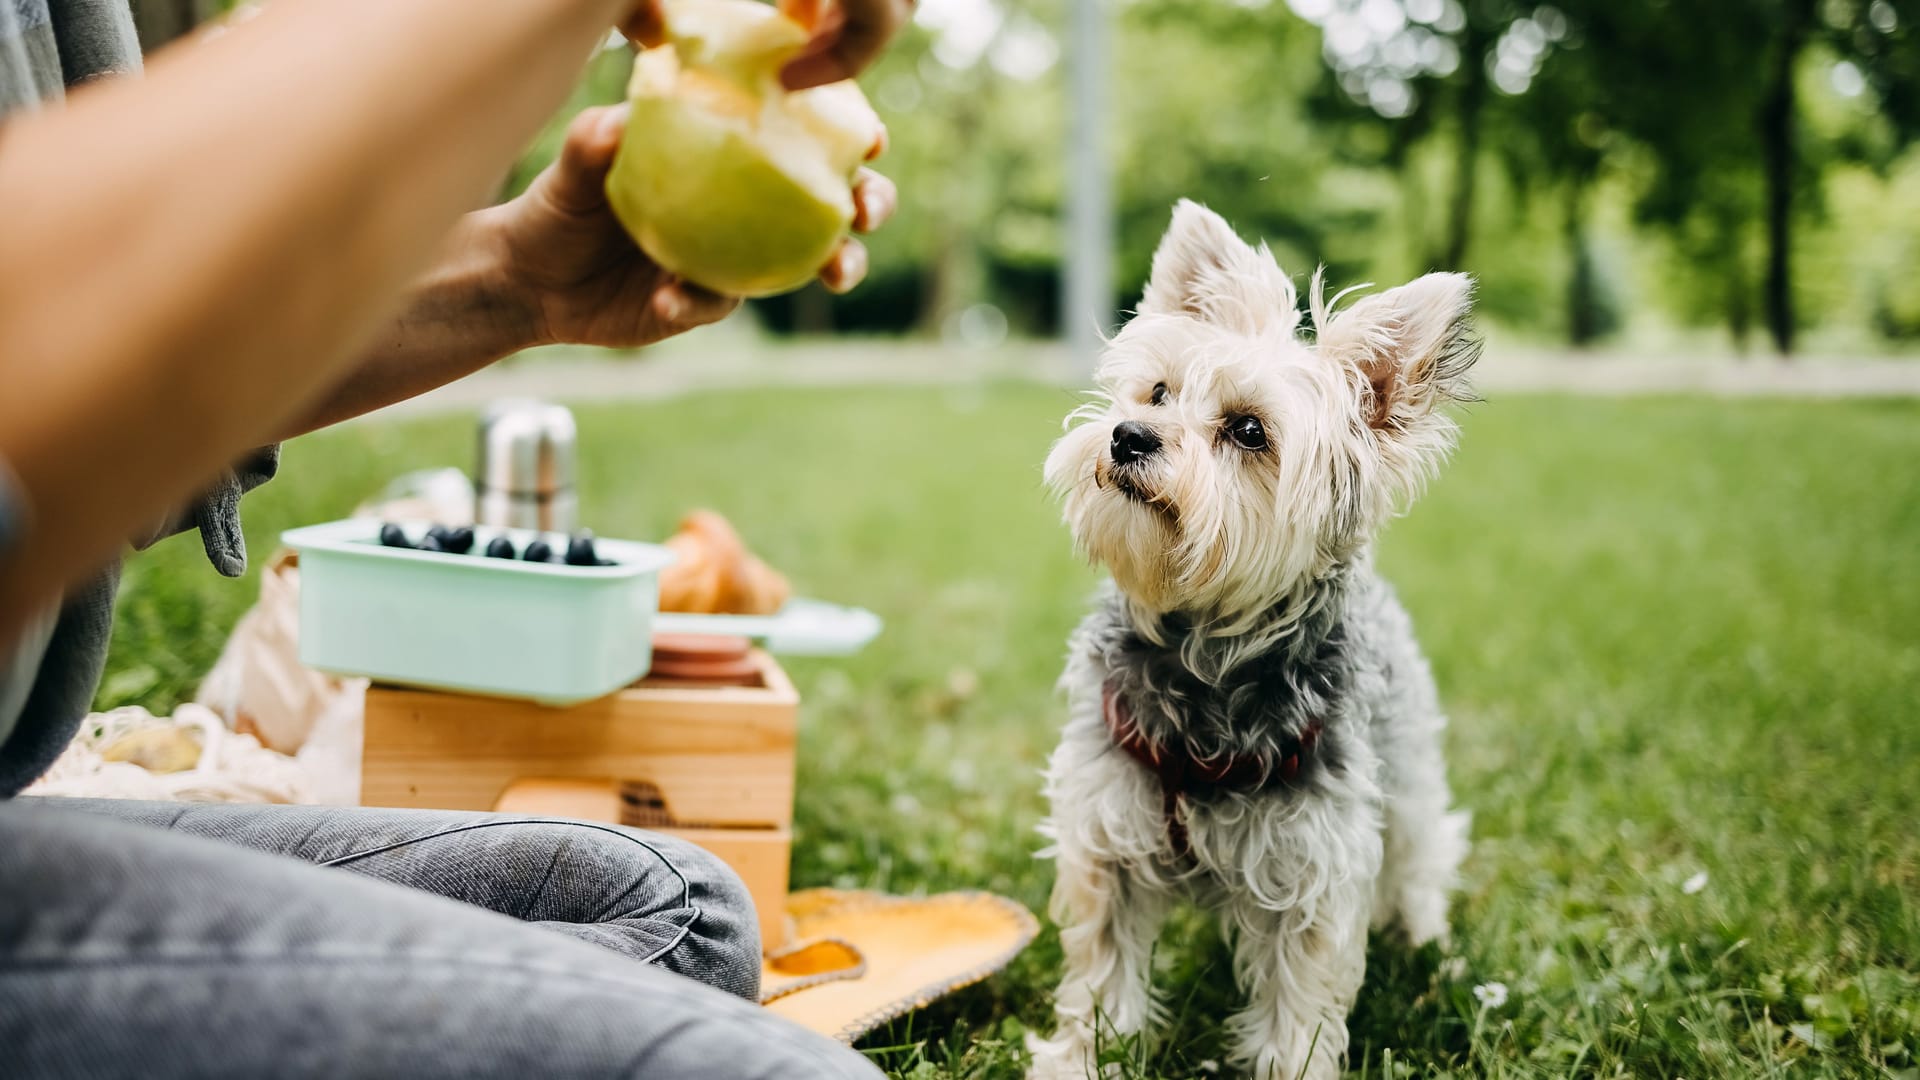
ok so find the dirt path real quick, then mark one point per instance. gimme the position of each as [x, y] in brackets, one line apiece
[724, 362]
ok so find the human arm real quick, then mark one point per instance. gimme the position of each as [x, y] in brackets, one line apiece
[551, 266]
[192, 259]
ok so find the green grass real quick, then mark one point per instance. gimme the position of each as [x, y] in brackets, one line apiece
[1675, 636]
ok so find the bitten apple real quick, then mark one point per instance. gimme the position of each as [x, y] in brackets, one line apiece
[724, 177]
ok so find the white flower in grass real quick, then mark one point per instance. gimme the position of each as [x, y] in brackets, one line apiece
[1491, 995]
[1209, 1066]
[1694, 884]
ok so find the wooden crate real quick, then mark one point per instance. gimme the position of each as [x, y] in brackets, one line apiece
[721, 756]
[712, 764]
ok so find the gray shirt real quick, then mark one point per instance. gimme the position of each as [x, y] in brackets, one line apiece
[47, 682]
[17, 671]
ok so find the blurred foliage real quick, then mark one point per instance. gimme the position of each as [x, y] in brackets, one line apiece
[1643, 167]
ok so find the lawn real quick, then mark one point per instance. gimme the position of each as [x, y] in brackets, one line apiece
[1679, 640]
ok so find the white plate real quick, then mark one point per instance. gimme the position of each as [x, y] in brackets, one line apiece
[802, 628]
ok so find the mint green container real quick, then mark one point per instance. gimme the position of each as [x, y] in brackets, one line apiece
[545, 632]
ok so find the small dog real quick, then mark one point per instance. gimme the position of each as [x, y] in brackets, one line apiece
[1252, 725]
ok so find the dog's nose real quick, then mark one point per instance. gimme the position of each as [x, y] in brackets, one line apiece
[1133, 440]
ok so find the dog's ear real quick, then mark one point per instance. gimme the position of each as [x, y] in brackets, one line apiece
[1204, 270]
[1410, 347]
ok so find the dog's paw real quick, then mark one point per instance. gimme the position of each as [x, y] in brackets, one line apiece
[1289, 1059]
[1060, 1058]
[1423, 916]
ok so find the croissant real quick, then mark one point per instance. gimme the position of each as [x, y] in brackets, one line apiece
[692, 582]
[758, 590]
[715, 573]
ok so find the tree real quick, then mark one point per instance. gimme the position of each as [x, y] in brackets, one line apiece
[1550, 138]
[1240, 139]
[1478, 82]
[1709, 90]
[1793, 27]
[1727, 148]
[1436, 69]
[1555, 140]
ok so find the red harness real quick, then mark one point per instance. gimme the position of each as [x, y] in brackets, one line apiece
[1181, 774]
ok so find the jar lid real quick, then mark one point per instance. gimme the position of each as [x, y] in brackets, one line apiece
[526, 447]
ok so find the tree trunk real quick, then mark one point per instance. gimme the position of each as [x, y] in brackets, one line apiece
[1583, 300]
[954, 281]
[1724, 241]
[953, 276]
[1466, 169]
[1776, 148]
[1739, 310]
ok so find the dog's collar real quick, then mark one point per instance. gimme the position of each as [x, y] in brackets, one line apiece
[1181, 774]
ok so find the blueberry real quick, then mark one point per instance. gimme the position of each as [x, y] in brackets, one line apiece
[538, 551]
[500, 548]
[459, 541]
[580, 551]
[392, 535]
[440, 533]
[432, 543]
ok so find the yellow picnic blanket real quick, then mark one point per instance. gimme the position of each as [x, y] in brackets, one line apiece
[860, 959]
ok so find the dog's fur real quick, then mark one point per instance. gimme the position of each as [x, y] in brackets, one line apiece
[1245, 614]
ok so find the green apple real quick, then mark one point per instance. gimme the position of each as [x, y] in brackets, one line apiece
[724, 177]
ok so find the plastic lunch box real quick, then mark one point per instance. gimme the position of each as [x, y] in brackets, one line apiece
[548, 632]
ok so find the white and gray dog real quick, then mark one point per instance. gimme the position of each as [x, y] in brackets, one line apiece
[1252, 725]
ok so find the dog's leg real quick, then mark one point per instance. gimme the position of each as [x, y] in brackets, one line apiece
[1108, 921]
[1425, 843]
[1423, 858]
[1300, 981]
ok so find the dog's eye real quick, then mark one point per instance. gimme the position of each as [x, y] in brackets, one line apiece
[1159, 396]
[1248, 431]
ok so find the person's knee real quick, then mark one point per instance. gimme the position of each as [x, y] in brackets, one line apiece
[711, 885]
[723, 940]
[689, 905]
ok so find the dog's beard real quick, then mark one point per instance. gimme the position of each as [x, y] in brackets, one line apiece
[1139, 485]
[1121, 517]
[1121, 528]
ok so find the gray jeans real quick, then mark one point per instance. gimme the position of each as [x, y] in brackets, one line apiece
[145, 939]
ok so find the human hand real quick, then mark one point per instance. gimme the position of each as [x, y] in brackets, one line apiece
[847, 36]
[582, 278]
